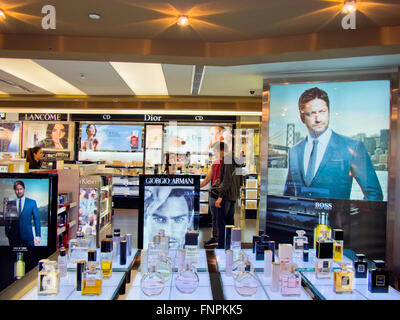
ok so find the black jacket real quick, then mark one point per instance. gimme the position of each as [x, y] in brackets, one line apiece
[231, 179]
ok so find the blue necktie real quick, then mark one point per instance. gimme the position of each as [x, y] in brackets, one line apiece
[19, 209]
[311, 163]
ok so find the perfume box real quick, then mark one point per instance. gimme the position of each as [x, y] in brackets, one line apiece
[324, 250]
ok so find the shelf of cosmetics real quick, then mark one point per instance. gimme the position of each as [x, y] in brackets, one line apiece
[89, 264]
[284, 266]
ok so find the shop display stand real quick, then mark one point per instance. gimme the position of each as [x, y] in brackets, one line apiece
[125, 190]
[250, 197]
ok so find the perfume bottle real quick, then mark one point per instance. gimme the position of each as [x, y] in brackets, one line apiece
[276, 272]
[285, 251]
[305, 251]
[19, 266]
[187, 280]
[261, 246]
[298, 241]
[229, 263]
[324, 257]
[337, 244]
[144, 262]
[246, 283]
[116, 244]
[378, 278]
[49, 280]
[238, 265]
[62, 262]
[91, 278]
[128, 238]
[106, 256]
[322, 225]
[152, 253]
[361, 266]
[80, 270]
[163, 266]
[181, 259]
[78, 248]
[152, 283]
[191, 243]
[228, 236]
[267, 263]
[344, 278]
[261, 237]
[122, 252]
[290, 281]
[236, 242]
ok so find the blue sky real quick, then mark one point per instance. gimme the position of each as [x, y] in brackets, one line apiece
[355, 107]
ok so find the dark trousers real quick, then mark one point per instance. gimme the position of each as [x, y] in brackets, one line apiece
[225, 216]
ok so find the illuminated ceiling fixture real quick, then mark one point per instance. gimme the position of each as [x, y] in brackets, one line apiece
[94, 16]
[183, 20]
[350, 6]
[2, 14]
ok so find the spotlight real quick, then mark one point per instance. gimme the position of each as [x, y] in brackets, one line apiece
[94, 16]
[2, 14]
[183, 20]
[349, 6]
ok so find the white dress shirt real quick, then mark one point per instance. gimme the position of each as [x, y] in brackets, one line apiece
[323, 141]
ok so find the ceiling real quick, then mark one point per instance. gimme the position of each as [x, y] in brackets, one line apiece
[137, 50]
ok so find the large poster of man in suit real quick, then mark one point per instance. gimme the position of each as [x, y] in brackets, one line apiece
[329, 140]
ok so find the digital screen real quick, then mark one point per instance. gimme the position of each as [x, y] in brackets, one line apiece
[196, 139]
[9, 137]
[88, 213]
[348, 122]
[24, 225]
[52, 136]
[111, 137]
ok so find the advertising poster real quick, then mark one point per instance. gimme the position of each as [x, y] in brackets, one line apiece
[47, 135]
[89, 204]
[9, 138]
[328, 152]
[197, 139]
[170, 203]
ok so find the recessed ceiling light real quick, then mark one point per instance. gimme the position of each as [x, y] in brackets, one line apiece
[349, 6]
[183, 20]
[94, 16]
[2, 14]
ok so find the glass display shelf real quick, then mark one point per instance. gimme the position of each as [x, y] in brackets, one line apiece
[109, 289]
[264, 291]
[170, 292]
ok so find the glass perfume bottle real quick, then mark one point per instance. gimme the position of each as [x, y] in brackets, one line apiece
[261, 237]
[324, 256]
[337, 244]
[49, 280]
[92, 278]
[298, 241]
[78, 248]
[191, 244]
[246, 283]
[19, 266]
[290, 281]
[152, 283]
[378, 278]
[144, 262]
[344, 278]
[267, 263]
[163, 266]
[238, 265]
[187, 281]
[181, 259]
[275, 278]
[106, 257]
[228, 236]
[228, 263]
[305, 251]
[322, 225]
[361, 266]
[285, 251]
[80, 270]
[153, 252]
[236, 242]
[116, 244]
[62, 262]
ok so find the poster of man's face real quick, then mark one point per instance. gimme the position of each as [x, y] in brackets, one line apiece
[9, 137]
[169, 208]
[329, 140]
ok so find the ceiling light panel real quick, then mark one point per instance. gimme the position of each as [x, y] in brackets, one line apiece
[142, 78]
[32, 72]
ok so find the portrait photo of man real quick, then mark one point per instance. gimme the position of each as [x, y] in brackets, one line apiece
[325, 163]
[170, 208]
[19, 229]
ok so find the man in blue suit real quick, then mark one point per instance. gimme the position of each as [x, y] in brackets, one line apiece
[324, 164]
[19, 231]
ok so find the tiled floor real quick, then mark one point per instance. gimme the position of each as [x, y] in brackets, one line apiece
[127, 221]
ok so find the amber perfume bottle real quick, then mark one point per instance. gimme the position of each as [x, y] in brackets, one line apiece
[337, 245]
[378, 278]
[344, 278]
[19, 266]
[361, 266]
[106, 257]
[322, 225]
[92, 278]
